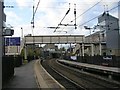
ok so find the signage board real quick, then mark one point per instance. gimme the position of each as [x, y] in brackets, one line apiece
[73, 57]
[12, 41]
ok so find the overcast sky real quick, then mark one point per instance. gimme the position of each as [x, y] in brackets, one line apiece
[51, 12]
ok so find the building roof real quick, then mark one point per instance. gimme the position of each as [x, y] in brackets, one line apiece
[104, 17]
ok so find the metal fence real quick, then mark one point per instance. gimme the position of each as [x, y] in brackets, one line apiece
[112, 61]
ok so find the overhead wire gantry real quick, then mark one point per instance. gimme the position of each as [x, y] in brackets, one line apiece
[61, 24]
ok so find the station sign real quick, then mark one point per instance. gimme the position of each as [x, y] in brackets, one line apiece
[12, 41]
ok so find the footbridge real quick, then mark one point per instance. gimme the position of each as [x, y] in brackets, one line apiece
[62, 39]
[54, 39]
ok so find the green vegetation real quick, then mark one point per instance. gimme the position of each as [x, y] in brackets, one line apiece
[31, 51]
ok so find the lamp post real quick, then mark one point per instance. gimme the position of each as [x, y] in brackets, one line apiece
[22, 33]
[23, 45]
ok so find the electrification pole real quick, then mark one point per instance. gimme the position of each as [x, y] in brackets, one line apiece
[90, 40]
[33, 30]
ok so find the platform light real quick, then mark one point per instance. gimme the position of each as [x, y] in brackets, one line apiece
[8, 32]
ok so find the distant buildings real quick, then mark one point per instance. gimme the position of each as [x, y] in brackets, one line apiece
[52, 51]
[95, 44]
[50, 47]
[104, 42]
[110, 25]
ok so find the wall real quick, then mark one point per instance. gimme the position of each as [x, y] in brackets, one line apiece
[119, 26]
[1, 11]
[112, 33]
[12, 50]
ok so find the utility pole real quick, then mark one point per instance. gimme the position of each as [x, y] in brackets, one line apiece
[75, 16]
[1, 41]
[33, 30]
[100, 46]
[33, 24]
[90, 40]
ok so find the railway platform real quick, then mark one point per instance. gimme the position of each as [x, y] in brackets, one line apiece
[23, 78]
[44, 79]
[84, 66]
[32, 76]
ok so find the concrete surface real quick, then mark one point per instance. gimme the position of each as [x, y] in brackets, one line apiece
[24, 77]
[45, 80]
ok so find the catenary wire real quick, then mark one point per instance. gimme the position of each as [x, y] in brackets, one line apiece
[98, 16]
[63, 18]
[87, 10]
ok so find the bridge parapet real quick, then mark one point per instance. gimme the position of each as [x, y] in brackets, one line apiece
[52, 39]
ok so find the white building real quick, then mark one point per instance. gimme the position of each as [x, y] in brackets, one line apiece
[104, 42]
[110, 25]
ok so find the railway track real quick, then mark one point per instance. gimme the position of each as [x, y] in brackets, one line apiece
[74, 78]
[62, 80]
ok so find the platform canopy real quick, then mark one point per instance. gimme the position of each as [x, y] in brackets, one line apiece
[54, 39]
